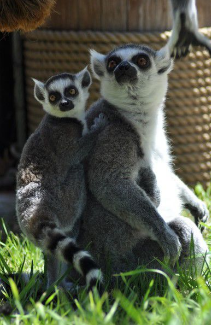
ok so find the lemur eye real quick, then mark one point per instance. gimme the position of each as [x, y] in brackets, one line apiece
[52, 98]
[143, 61]
[72, 91]
[112, 65]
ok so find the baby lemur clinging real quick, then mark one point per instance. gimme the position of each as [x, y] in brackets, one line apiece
[125, 218]
[51, 192]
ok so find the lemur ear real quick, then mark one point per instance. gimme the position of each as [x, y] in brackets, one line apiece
[85, 77]
[38, 90]
[97, 63]
[164, 61]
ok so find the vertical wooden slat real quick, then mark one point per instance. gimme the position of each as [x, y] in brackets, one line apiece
[134, 8]
[65, 15]
[169, 20]
[204, 12]
[119, 15]
[155, 15]
[114, 15]
[89, 14]
[201, 7]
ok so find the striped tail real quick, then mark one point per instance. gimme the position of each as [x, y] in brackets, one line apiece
[66, 249]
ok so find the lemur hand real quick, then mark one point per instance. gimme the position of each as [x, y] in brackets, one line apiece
[185, 34]
[170, 245]
[100, 122]
[199, 211]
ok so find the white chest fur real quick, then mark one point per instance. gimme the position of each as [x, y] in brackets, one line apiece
[156, 156]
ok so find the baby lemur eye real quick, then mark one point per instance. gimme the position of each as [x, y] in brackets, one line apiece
[72, 91]
[52, 98]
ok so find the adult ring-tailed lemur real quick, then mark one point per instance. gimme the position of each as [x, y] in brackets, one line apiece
[134, 205]
[185, 29]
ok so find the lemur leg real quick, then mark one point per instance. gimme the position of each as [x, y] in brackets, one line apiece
[149, 253]
[185, 29]
[55, 270]
[125, 199]
[52, 269]
[194, 247]
[197, 207]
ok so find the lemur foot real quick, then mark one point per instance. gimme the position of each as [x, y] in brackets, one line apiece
[74, 289]
[171, 246]
[184, 35]
[100, 122]
[96, 285]
[67, 286]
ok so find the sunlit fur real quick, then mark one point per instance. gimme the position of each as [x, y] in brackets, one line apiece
[24, 15]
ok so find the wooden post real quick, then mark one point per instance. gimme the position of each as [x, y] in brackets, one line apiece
[119, 15]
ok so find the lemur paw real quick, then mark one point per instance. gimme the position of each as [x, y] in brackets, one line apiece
[199, 211]
[204, 212]
[100, 122]
[184, 35]
[171, 246]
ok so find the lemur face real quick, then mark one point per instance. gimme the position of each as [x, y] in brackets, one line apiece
[64, 95]
[125, 64]
[131, 71]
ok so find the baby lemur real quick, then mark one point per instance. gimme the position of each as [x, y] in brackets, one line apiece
[135, 200]
[51, 192]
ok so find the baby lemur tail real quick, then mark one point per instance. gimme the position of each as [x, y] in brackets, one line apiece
[57, 243]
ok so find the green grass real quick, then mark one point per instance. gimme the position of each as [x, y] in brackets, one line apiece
[183, 299]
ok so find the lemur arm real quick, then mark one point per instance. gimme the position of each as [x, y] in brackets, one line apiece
[110, 182]
[196, 207]
[185, 29]
[84, 145]
[148, 182]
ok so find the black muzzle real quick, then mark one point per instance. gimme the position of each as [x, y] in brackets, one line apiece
[125, 72]
[66, 105]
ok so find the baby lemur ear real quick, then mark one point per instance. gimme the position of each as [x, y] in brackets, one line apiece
[97, 63]
[163, 60]
[38, 90]
[85, 78]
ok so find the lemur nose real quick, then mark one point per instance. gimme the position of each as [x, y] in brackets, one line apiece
[64, 103]
[124, 66]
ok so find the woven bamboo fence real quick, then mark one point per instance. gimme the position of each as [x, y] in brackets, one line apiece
[188, 104]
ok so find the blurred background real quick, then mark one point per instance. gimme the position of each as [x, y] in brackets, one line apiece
[62, 45]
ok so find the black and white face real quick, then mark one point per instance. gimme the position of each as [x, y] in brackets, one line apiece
[124, 64]
[64, 95]
[131, 72]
